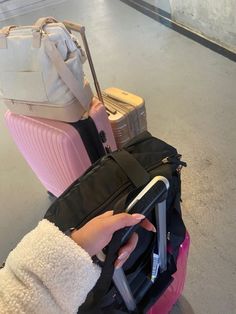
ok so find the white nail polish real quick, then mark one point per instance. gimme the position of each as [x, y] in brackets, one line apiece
[123, 255]
[138, 216]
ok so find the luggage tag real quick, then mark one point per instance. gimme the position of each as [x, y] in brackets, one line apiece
[159, 255]
[155, 262]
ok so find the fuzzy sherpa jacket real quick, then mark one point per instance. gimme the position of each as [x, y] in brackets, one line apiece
[46, 273]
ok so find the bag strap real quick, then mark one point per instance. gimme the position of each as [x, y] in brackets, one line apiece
[66, 75]
[132, 168]
[41, 22]
[38, 29]
[177, 228]
[4, 32]
[105, 279]
[139, 176]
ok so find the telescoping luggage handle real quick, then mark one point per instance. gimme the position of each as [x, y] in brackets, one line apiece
[81, 29]
[152, 196]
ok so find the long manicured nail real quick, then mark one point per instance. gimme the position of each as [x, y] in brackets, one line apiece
[154, 229]
[138, 216]
[123, 255]
[118, 265]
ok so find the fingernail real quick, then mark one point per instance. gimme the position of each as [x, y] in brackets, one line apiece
[118, 265]
[154, 229]
[123, 255]
[138, 216]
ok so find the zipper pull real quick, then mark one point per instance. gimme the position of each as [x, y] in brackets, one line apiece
[165, 160]
[174, 159]
[182, 163]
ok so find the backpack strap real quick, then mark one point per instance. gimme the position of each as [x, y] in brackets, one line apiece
[132, 168]
[105, 280]
[177, 228]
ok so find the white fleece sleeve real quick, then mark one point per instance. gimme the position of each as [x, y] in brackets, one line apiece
[46, 273]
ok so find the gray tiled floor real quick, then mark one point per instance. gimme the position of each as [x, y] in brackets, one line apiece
[190, 95]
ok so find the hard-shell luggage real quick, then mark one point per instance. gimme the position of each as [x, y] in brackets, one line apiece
[114, 181]
[57, 151]
[127, 114]
[53, 179]
[126, 111]
[159, 264]
[41, 71]
[165, 303]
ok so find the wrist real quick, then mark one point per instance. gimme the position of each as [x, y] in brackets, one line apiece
[69, 232]
[73, 234]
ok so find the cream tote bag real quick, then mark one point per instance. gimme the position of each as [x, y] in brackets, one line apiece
[41, 71]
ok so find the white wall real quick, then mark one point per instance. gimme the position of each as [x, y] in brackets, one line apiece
[161, 4]
[214, 18]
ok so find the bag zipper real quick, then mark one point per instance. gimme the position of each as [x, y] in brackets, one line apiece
[172, 159]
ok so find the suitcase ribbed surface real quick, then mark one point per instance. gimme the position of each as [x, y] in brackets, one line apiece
[127, 120]
[53, 149]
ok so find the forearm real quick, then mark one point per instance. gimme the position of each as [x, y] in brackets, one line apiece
[46, 273]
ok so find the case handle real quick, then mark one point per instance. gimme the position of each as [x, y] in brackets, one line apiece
[74, 26]
[81, 29]
[154, 195]
[41, 22]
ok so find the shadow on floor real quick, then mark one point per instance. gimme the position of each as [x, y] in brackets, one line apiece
[182, 307]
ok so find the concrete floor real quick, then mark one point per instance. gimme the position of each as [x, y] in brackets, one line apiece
[190, 96]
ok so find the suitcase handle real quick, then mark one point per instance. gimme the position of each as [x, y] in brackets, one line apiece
[81, 29]
[153, 195]
[150, 197]
[160, 186]
[74, 26]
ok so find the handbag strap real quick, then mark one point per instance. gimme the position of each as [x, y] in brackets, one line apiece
[66, 75]
[41, 22]
[4, 32]
[38, 29]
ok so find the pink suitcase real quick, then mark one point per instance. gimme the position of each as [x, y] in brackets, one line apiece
[174, 291]
[53, 149]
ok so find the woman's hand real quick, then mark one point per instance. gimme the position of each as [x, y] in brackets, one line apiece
[98, 232]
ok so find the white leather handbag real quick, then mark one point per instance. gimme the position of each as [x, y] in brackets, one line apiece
[41, 71]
